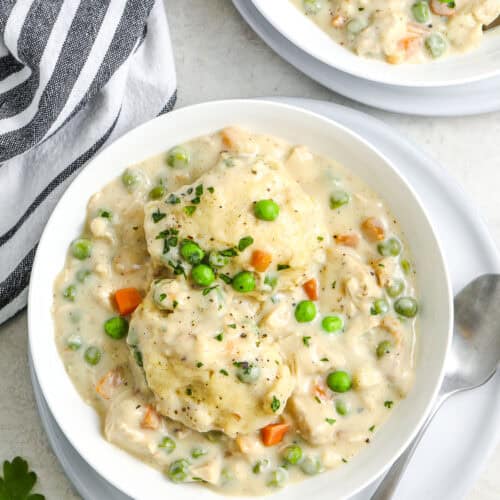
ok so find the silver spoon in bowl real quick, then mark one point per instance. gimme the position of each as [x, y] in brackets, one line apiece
[473, 359]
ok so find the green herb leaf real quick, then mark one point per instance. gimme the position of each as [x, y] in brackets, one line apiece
[106, 214]
[158, 216]
[282, 267]
[224, 372]
[275, 404]
[18, 481]
[199, 190]
[388, 404]
[372, 428]
[245, 243]
[306, 341]
[229, 252]
[189, 210]
[331, 421]
[206, 291]
[210, 189]
[199, 364]
[172, 199]
[219, 337]
[271, 281]
[196, 200]
[226, 278]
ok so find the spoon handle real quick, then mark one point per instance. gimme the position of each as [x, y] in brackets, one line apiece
[389, 484]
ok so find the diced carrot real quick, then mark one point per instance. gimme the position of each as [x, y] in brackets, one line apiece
[338, 20]
[228, 136]
[409, 43]
[373, 229]
[127, 300]
[394, 58]
[151, 419]
[311, 289]
[109, 382]
[442, 9]
[348, 240]
[273, 433]
[261, 260]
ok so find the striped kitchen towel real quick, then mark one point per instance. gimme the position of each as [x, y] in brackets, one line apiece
[74, 75]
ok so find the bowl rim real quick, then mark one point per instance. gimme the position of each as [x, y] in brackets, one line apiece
[359, 66]
[250, 105]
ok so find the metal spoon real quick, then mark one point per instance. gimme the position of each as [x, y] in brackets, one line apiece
[473, 359]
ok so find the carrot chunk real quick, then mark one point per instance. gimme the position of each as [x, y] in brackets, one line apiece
[273, 433]
[373, 229]
[127, 300]
[348, 240]
[311, 289]
[261, 260]
[109, 382]
[151, 419]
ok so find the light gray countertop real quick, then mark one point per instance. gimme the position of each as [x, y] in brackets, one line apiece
[219, 57]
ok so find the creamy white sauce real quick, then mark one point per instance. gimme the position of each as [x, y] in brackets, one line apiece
[208, 367]
[403, 31]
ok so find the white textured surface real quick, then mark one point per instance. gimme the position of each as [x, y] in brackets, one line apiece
[217, 57]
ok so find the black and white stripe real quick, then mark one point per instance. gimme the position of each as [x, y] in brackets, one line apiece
[74, 75]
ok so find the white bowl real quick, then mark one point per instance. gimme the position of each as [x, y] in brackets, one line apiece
[80, 423]
[479, 64]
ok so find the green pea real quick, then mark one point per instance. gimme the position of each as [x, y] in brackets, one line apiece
[129, 180]
[92, 355]
[178, 470]
[406, 306]
[167, 444]
[247, 373]
[157, 192]
[406, 266]
[244, 282]
[215, 259]
[116, 327]
[311, 7]
[355, 26]
[74, 342]
[82, 275]
[266, 210]
[339, 198]
[198, 452]
[192, 252]
[311, 466]
[278, 478]
[202, 275]
[81, 248]
[436, 45]
[392, 246]
[421, 12]
[70, 293]
[383, 348]
[305, 311]
[332, 324]
[178, 157]
[380, 306]
[292, 454]
[395, 288]
[339, 381]
[341, 407]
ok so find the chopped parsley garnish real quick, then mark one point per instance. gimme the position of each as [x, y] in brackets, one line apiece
[177, 268]
[245, 243]
[172, 199]
[282, 267]
[206, 291]
[331, 421]
[189, 190]
[219, 337]
[388, 404]
[163, 296]
[229, 252]
[196, 200]
[317, 399]
[175, 303]
[271, 280]
[199, 190]
[344, 460]
[158, 216]
[232, 325]
[226, 278]
[275, 404]
[189, 391]
[324, 360]
[306, 341]
[334, 284]
[106, 214]
[18, 481]
[169, 237]
[224, 372]
[210, 189]
[189, 210]
[320, 238]
[199, 364]
[372, 428]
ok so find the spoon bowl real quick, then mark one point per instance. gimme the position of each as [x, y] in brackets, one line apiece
[473, 359]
